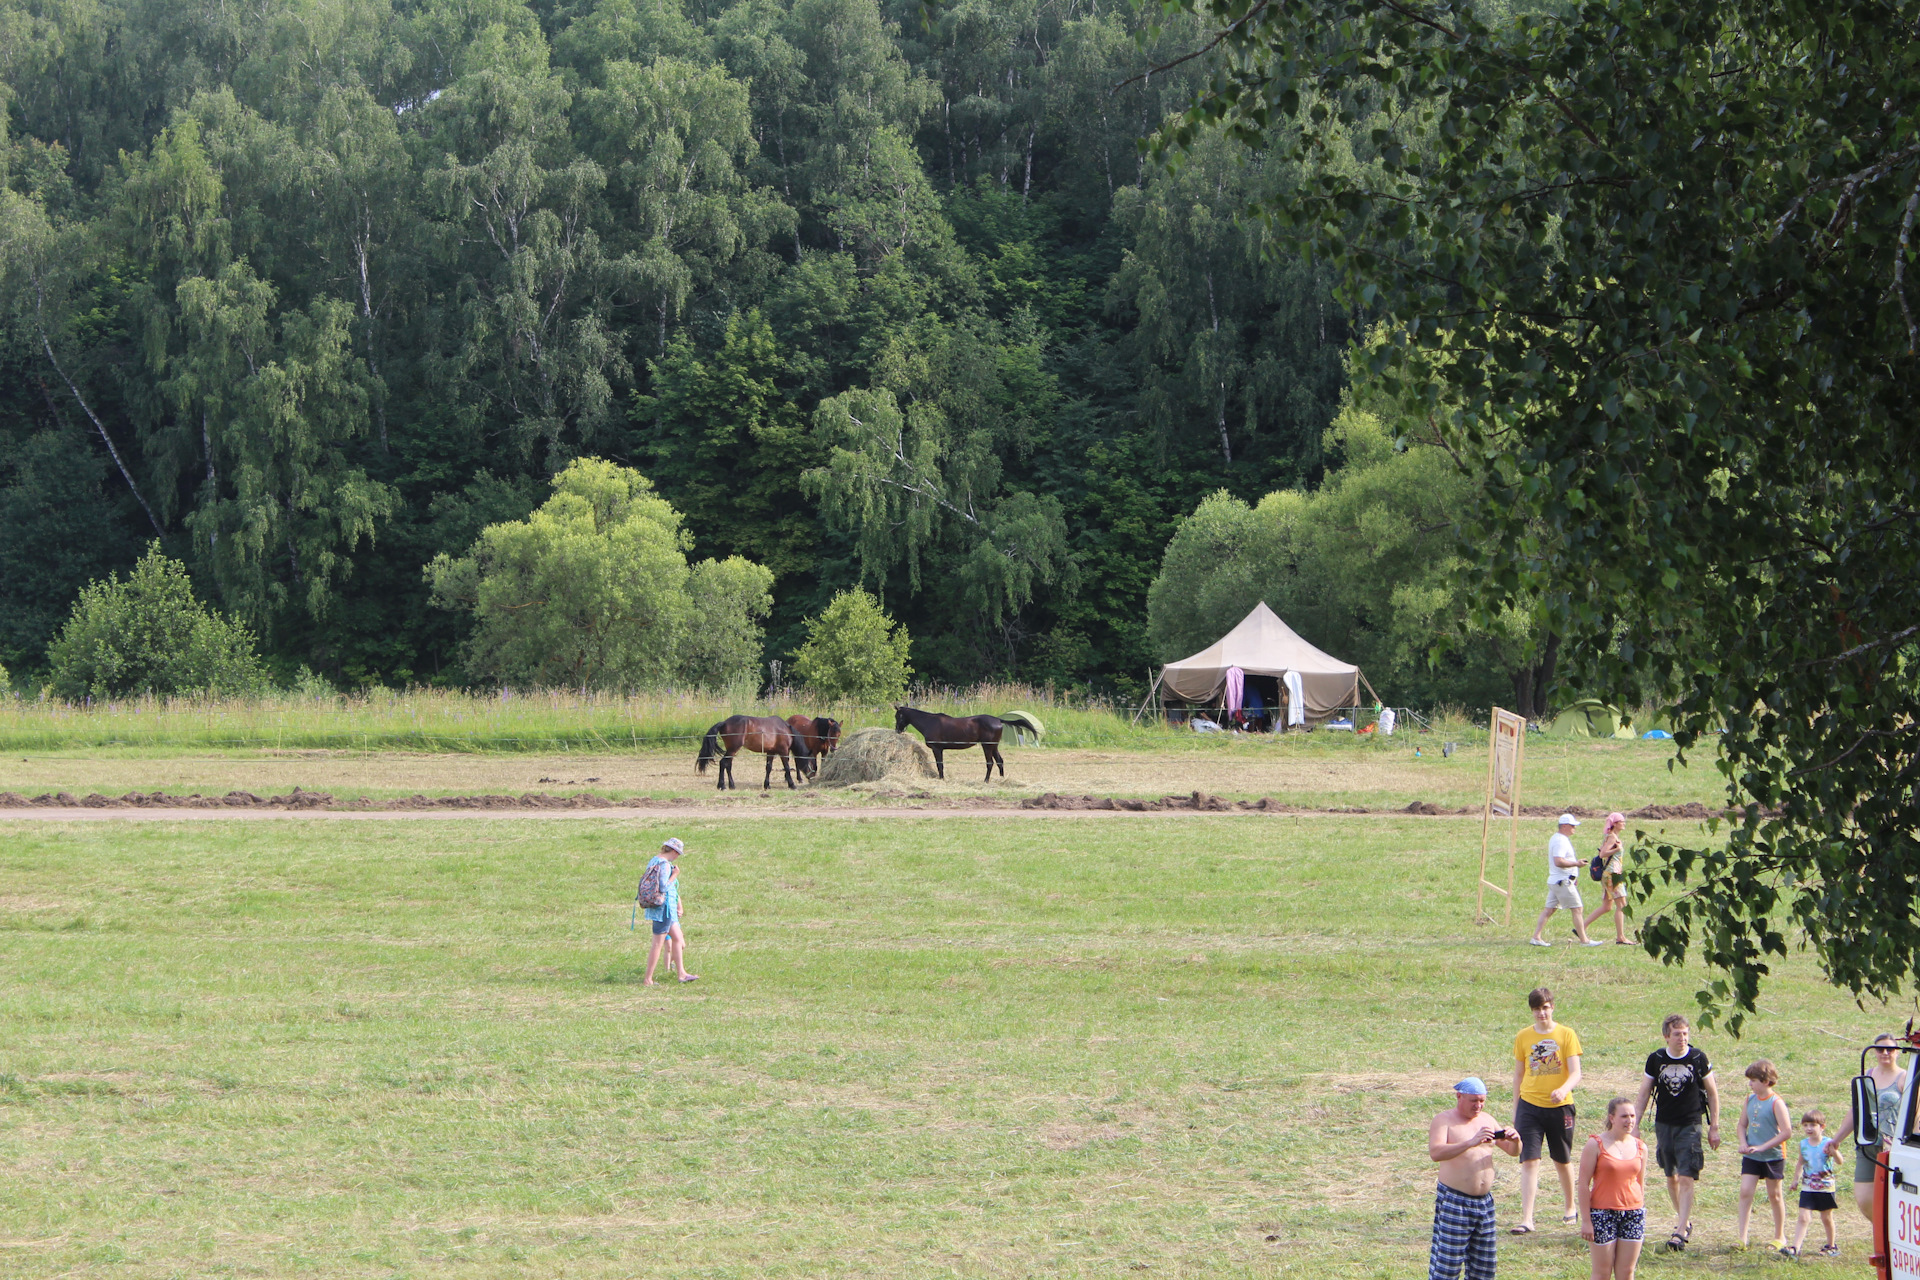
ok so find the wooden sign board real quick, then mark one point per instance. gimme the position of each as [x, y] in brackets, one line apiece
[1506, 745]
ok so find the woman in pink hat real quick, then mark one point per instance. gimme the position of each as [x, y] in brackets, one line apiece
[1613, 880]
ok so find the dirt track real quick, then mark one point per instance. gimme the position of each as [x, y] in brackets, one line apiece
[164, 806]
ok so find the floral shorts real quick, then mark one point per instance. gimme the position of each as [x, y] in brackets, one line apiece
[1618, 1224]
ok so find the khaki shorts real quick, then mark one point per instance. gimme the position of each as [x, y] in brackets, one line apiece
[1564, 894]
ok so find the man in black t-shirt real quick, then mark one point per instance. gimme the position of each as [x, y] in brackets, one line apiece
[1680, 1081]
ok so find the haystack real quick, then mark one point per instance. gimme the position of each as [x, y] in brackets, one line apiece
[874, 755]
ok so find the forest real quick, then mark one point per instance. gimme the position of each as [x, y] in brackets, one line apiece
[314, 291]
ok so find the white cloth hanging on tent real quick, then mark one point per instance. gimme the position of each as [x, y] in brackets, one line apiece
[1387, 719]
[1296, 699]
[1236, 689]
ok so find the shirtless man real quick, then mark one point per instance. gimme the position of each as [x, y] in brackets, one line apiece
[1461, 1142]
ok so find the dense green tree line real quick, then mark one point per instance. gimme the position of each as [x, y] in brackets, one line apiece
[315, 291]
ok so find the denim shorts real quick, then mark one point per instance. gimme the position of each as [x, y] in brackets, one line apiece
[661, 927]
[1618, 1224]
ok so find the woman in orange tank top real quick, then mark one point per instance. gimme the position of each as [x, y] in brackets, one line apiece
[1613, 1198]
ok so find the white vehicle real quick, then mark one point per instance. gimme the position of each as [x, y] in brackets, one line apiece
[1896, 1185]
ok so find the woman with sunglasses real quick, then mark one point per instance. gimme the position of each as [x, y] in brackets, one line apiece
[1889, 1082]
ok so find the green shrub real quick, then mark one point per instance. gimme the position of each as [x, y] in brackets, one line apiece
[854, 652]
[6, 681]
[721, 649]
[150, 634]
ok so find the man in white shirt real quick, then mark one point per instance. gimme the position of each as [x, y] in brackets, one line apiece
[1563, 869]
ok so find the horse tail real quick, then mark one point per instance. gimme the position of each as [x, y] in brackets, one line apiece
[1024, 721]
[709, 748]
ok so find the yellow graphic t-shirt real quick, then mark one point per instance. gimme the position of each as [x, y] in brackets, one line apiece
[1548, 1056]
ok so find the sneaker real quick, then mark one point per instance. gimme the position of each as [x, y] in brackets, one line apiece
[1539, 942]
[1593, 942]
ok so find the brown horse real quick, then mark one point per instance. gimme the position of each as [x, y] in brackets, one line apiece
[768, 735]
[957, 733]
[819, 734]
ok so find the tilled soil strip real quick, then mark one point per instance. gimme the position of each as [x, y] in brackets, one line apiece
[238, 803]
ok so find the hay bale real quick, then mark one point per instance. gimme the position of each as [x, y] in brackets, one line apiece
[874, 755]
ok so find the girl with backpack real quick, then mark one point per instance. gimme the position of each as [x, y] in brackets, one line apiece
[1612, 874]
[659, 899]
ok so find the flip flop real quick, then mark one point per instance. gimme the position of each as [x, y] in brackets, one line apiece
[692, 977]
[1568, 1219]
[1520, 1231]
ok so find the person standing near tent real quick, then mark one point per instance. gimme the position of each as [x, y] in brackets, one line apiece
[665, 916]
[1563, 866]
[1613, 878]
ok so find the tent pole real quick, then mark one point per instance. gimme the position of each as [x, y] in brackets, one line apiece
[1151, 690]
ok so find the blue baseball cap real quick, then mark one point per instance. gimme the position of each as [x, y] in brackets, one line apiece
[1472, 1084]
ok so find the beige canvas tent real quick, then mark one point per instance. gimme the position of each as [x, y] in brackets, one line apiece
[1263, 645]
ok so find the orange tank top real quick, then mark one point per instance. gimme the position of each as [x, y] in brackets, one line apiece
[1616, 1177]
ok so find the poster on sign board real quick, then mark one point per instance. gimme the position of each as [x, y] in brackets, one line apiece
[1505, 744]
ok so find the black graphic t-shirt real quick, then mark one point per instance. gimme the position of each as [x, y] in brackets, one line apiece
[1679, 1086]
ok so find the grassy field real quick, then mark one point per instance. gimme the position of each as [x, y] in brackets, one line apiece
[437, 720]
[1201, 1047]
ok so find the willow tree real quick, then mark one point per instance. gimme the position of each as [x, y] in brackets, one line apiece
[593, 591]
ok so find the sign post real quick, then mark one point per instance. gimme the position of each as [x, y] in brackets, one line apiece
[1503, 800]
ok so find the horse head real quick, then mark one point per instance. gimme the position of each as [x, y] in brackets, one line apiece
[827, 729]
[900, 719]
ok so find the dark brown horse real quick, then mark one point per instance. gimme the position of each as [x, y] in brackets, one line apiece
[819, 734]
[955, 733]
[768, 735]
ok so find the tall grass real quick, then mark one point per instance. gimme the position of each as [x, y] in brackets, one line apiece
[509, 720]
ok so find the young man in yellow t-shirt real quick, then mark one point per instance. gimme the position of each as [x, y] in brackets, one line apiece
[1546, 1071]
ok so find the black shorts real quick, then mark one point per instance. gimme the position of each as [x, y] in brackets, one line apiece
[1771, 1170]
[1817, 1200]
[1555, 1124]
[1677, 1149]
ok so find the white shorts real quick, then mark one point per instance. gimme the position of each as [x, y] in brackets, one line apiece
[1564, 894]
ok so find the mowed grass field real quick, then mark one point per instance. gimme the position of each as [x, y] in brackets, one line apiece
[990, 1046]
[1320, 769]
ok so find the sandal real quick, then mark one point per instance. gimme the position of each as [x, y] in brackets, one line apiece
[1521, 1230]
[1570, 1217]
[1678, 1240]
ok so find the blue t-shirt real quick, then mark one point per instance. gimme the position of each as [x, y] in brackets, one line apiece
[1816, 1170]
[669, 908]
